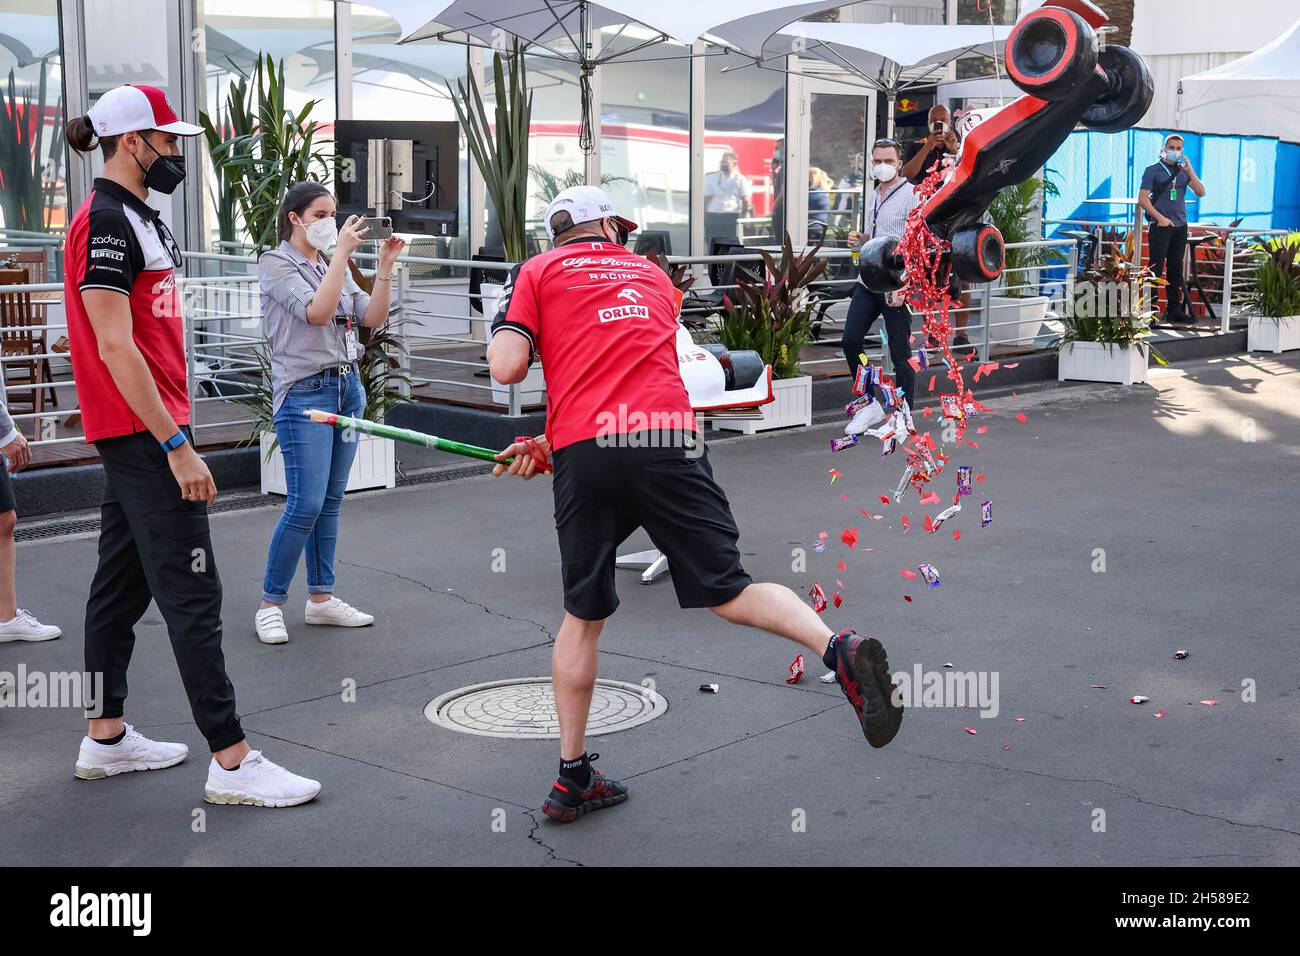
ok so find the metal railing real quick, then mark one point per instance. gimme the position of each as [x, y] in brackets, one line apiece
[440, 335]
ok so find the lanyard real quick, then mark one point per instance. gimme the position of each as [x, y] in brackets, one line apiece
[347, 336]
[878, 205]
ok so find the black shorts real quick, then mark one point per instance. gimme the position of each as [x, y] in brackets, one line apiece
[6, 489]
[604, 493]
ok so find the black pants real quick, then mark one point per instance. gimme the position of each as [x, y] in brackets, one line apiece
[1167, 245]
[155, 545]
[867, 306]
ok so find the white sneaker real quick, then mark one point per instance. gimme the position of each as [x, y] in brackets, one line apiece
[269, 622]
[24, 627]
[866, 417]
[257, 782]
[133, 752]
[336, 612]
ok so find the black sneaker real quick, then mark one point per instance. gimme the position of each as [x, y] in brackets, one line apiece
[862, 671]
[961, 339]
[569, 800]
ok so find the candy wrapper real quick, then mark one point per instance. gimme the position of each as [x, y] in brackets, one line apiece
[970, 410]
[1180, 655]
[943, 516]
[709, 688]
[908, 474]
[963, 480]
[818, 598]
[796, 671]
[862, 380]
[857, 405]
[827, 678]
[839, 444]
[888, 396]
[950, 406]
[930, 574]
[1138, 699]
[986, 513]
[922, 359]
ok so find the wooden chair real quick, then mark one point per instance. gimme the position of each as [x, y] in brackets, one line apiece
[36, 264]
[17, 314]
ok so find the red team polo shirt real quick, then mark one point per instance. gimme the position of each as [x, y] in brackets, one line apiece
[118, 242]
[604, 322]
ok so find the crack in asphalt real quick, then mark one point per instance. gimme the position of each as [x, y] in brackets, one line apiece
[379, 766]
[730, 743]
[446, 592]
[550, 850]
[1120, 790]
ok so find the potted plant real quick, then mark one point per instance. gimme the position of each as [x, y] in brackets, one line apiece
[500, 150]
[1276, 297]
[273, 147]
[1106, 322]
[773, 316]
[1011, 299]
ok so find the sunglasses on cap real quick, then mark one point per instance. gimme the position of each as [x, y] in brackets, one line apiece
[885, 142]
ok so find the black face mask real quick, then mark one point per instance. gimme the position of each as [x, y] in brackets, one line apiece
[165, 173]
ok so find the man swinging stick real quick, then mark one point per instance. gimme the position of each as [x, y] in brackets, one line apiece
[606, 321]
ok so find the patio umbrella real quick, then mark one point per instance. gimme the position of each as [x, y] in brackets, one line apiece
[882, 54]
[564, 29]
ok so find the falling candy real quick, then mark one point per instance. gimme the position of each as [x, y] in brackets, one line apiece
[818, 597]
[1180, 655]
[847, 441]
[963, 479]
[709, 688]
[930, 574]
[796, 671]
[944, 515]
[986, 513]
[1138, 699]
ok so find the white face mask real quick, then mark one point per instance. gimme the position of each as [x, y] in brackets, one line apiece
[322, 233]
[884, 172]
[1173, 155]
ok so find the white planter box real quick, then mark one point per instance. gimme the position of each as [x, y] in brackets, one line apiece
[1102, 362]
[375, 465]
[1016, 319]
[533, 387]
[1273, 335]
[793, 406]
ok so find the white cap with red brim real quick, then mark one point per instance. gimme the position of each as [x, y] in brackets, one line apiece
[585, 204]
[131, 109]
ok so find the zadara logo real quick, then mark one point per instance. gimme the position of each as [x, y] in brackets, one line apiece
[623, 312]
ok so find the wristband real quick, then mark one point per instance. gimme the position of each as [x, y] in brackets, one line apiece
[174, 442]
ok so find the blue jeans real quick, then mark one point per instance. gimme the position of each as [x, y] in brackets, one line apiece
[317, 459]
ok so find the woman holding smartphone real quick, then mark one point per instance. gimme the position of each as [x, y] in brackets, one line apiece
[312, 310]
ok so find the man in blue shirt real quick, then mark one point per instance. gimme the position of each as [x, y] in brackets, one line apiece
[1164, 197]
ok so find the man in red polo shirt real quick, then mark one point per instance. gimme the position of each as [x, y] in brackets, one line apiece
[128, 360]
[627, 453]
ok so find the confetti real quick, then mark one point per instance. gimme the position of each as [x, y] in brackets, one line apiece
[1019, 720]
[842, 566]
[906, 522]
[907, 598]
[884, 499]
[1012, 365]
[932, 378]
[983, 429]
[1020, 417]
[1099, 686]
[972, 731]
[1159, 713]
[929, 498]
[850, 537]
[910, 575]
[796, 671]
[956, 534]
[834, 474]
[980, 476]
[1006, 746]
[1210, 703]
[837, 599]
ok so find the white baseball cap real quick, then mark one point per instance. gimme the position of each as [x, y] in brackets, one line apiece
[585, 204]
[130, 109]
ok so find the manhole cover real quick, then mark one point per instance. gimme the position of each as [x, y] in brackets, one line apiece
[525, 707]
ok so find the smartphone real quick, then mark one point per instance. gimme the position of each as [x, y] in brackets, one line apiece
[381, 227]
[939, 127]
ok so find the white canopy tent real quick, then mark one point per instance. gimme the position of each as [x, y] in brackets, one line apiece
[570, 31]
[892, 57]
[1258, 94]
